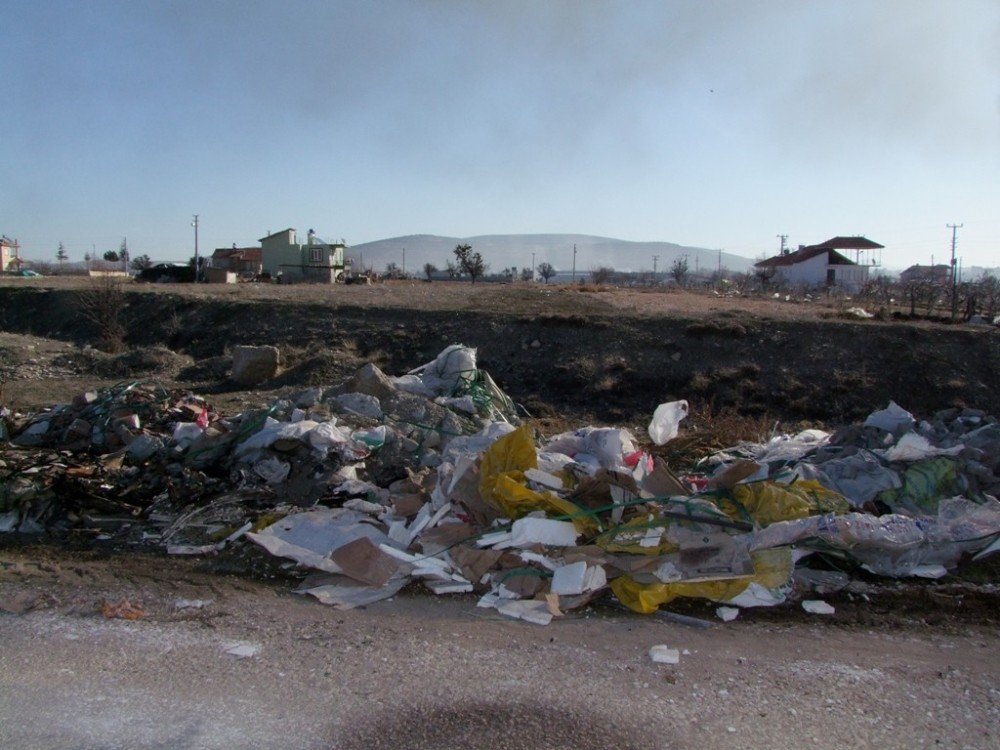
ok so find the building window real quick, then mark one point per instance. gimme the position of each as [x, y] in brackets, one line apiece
[317, 254]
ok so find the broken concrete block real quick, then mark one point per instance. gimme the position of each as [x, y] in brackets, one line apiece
[79, 429]
[255, 364]
[371, 381]
[144, 447]
[129, 421]
[362, 404]
[84, 399]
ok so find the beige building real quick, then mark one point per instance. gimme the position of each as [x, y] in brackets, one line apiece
[10, 255]
[315, 261]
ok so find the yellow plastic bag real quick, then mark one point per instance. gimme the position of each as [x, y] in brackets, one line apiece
[516, 500]
[772, 568]
[626, 538]
[770, 502]
[503, 484]
[515, 451]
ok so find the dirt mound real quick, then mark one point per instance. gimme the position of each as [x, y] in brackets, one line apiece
[606, 357]
[139, 362]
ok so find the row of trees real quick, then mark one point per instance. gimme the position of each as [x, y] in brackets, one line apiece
[470, 263]
[109, 258]
[931, 297]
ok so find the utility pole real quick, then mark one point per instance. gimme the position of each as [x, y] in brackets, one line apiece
[656, 259]
[532, 266]
[720, 264]
[196, 265]
[783, 237]
[404, 262]
[954, 267]
[574, 264]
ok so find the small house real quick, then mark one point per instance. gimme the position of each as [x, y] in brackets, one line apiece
[937, 275]
[240, 260]
[315, 261]
[824, 264]
[10, 258]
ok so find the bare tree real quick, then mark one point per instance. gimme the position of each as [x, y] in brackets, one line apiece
[453, 270]
[470, 261]
[103, 304]
[527, 274]
[987, 290]
[546, 271]
[602, 274]
[429, 270]
[141, 263]
[679, 270]
[61, 254]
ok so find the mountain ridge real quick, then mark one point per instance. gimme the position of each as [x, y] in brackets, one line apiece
[501, 251]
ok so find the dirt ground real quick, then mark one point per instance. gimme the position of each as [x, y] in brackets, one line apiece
[899, 664]
[568, 355]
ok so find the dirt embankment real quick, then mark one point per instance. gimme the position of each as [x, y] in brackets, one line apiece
[607, 358]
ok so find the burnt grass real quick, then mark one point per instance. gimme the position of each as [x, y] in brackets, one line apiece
[608, 367]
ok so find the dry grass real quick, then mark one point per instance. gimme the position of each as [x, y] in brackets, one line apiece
[708, 429]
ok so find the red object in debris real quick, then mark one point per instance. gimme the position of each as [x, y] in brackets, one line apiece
[632, 459]
[700, 484]
[203, 419]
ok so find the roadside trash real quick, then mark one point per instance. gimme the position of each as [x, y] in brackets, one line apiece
[817, 607]
[727, 614]
[122, 610]
[192, 603]
[664, 655]
[241, 650]
[666, 420]
[430, 478]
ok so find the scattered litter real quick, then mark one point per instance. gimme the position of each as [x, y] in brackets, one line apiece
[379, 482]
[817, 607]
[241, 650]
[192, 603]
[727, 614]
[122, 610]
[665, 655]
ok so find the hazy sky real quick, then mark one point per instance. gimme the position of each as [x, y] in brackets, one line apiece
[711, 123]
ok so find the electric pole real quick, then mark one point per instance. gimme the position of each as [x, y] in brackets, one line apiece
[574, 264]
[783, 237]
[954, 267]
[532, 266]
[656, 258]
[196, 268]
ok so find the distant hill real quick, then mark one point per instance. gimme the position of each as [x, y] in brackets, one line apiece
[504, 250]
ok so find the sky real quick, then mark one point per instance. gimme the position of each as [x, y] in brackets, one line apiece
[710, 123]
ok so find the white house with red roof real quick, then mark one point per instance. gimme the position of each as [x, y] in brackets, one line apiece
[823, 266]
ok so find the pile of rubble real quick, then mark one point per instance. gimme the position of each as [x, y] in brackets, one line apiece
[431, 477]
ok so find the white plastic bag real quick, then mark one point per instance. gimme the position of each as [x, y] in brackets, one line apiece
[666, 421]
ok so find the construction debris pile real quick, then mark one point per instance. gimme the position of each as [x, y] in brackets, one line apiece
[432, 478]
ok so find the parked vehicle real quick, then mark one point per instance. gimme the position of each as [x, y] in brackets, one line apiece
[167, 273]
